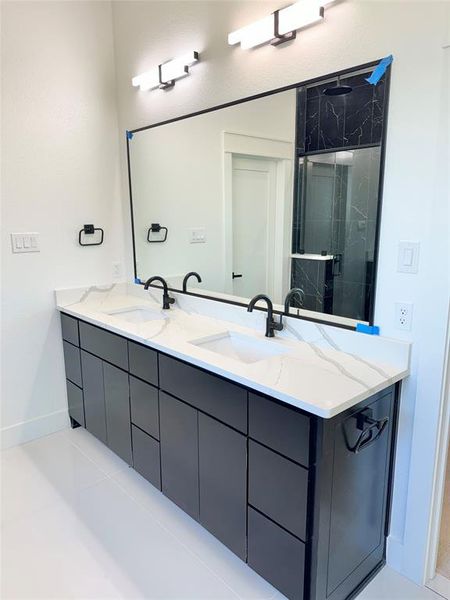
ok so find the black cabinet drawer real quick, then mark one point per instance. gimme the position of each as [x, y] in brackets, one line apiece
[75, 402]
[104, 344]
[276, 555]
[143, 362]
[278, 488]
[73, 363]
[279, 427]
[179, 453]
[144, 406]
[69, 328]
[210, 394]
[223, 483]
[146, 456]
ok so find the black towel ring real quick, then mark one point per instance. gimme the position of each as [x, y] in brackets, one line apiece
[90, 230]
[156, 228]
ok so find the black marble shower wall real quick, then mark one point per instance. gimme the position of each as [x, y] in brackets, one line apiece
[336, 201]
[337, 122]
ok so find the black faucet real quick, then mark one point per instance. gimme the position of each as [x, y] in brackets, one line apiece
[294, 292]
[271, 325]
[186, 277]
[167, 300]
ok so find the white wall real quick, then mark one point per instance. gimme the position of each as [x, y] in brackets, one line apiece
[415, 192]
[59, 171]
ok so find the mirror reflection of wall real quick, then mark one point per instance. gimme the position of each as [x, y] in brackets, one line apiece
[217, 181]
[264, 195]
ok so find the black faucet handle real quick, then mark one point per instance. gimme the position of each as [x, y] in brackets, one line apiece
[167, 301]
[278, 325]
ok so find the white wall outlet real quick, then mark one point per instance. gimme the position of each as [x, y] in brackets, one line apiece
[197, 235]
[408, 257]
[25, 242]
[403, 315]
[116, 270]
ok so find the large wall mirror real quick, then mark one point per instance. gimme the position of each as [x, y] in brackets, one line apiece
[266, 194]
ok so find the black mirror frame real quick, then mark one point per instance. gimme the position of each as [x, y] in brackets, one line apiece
[342, 73]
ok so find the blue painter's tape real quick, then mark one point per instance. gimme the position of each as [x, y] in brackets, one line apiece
[137, 280]
[369, 329]
[380, 70]
[129, 135]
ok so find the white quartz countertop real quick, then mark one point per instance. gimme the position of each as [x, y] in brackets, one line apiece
[321, 369]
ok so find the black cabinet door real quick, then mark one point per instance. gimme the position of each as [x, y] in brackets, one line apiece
[94, 395]
[358, 505]
[117, 405]
[179, 453]
[223, 483]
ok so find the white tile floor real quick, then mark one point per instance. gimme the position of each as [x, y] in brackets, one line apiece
[78, 523]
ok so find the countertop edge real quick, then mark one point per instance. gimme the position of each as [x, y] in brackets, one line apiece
[252, 385]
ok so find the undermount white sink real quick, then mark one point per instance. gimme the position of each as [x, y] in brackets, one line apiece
[239, 347]
[137, 314]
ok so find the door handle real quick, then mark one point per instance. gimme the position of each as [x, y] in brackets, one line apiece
[236, 275]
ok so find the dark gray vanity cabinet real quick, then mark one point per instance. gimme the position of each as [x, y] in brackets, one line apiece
[146, 456]
[349, 537]
[179, 453]
[303, 500]
[75, 403]
[222, 455]
[117, 409]
[106, 389]
[72, 361]
[94, 395]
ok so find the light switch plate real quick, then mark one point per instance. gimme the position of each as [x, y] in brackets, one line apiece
[25, 242]
[197, 235]
[408, 257]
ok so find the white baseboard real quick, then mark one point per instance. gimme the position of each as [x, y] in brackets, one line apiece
[394, 553]
[20, 433]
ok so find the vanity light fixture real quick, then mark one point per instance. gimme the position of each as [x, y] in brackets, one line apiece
[281, 26]
[164, 76]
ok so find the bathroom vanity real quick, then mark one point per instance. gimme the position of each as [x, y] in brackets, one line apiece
[283, 448]
[300, 494]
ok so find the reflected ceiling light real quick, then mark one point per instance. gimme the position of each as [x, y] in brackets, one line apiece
[164, 76]
[281, 26]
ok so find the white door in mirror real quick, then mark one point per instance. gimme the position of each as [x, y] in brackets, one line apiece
[25, 242]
